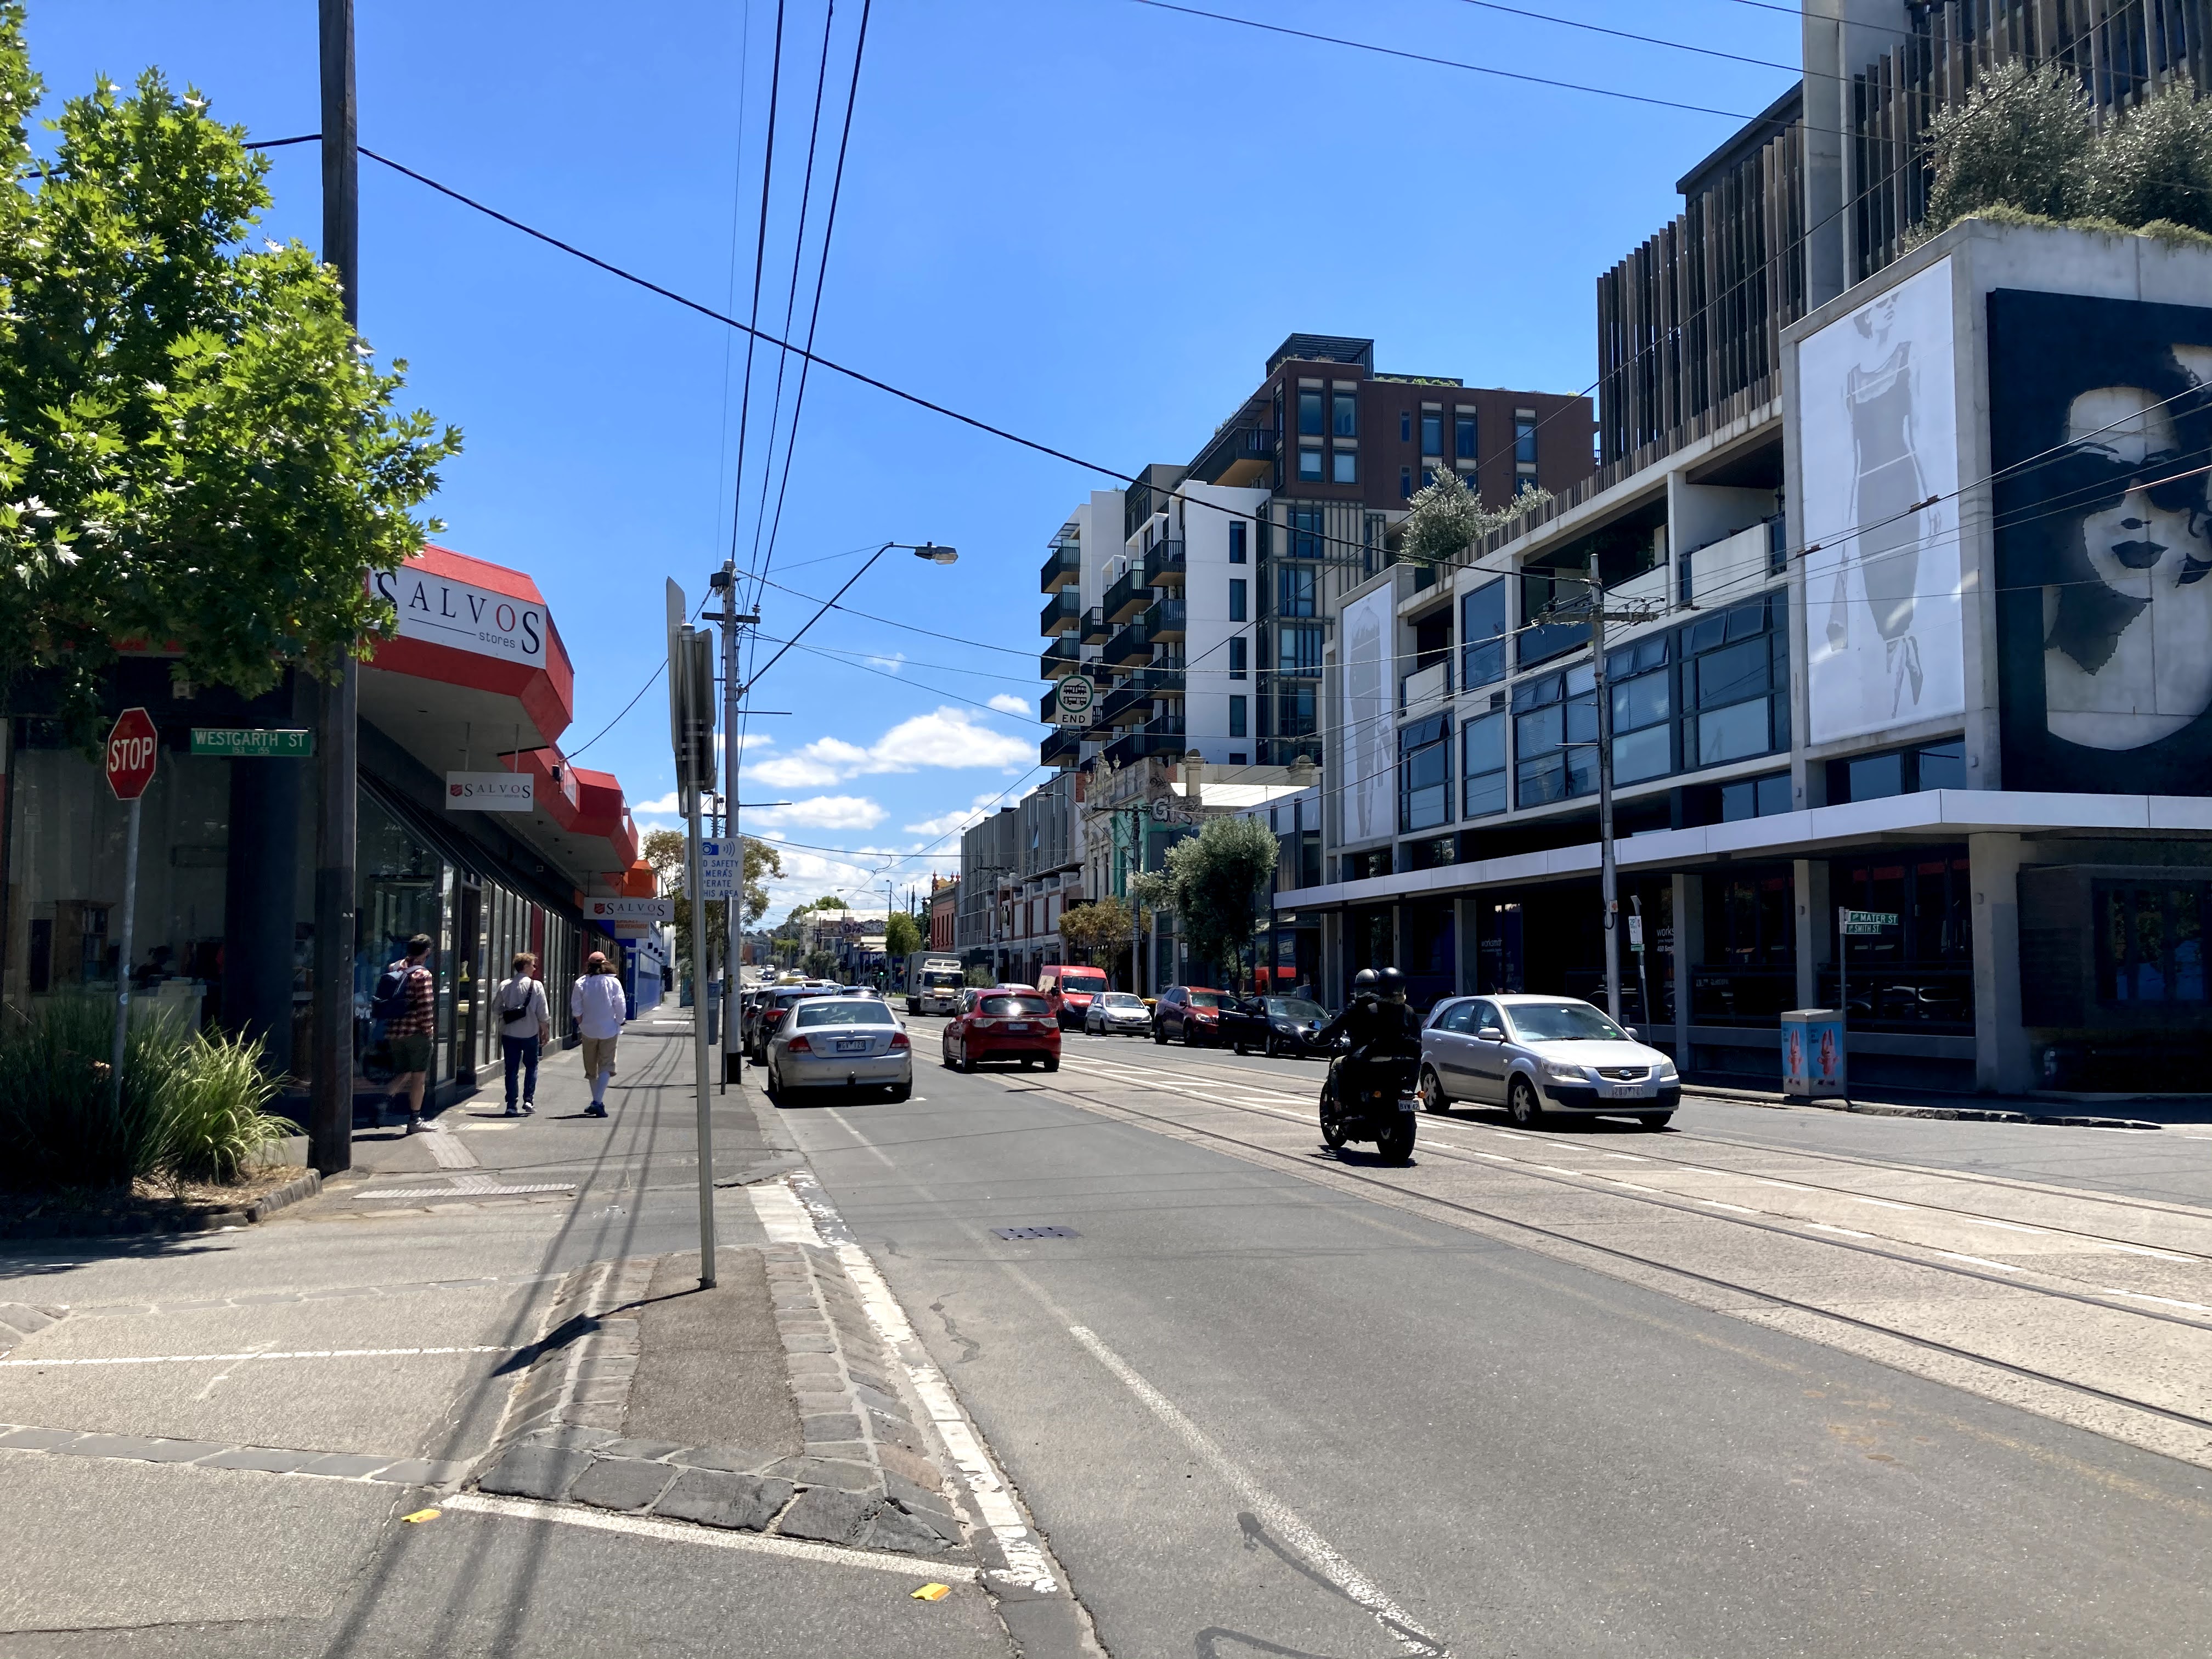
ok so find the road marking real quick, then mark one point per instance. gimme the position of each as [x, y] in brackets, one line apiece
[1831, 1227]
[2142, 1296]
[714, 1538]
[234, 1358]
[2143, 1249]
[1631, 1156]
[468, 1186]
[2008, 1226]
[1740, 1209]
[1271, 1509]
[1786, 1185]
[782, 1214]
[448, 1152]
[1980, 1261]
[1879, 1203]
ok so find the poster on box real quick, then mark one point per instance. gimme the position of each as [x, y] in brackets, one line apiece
[2100, 433]
[1878, 448]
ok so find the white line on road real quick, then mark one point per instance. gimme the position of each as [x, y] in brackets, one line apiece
[2142, 1296]
[1980, 1261]
[213, 1358]
[677, 1532]
[1272, 1511]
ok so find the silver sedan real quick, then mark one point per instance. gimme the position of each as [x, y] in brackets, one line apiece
[1113, 1013]
[1539, 1056]
[840, 1042]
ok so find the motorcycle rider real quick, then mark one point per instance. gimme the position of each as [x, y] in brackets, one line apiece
[1377, 1024]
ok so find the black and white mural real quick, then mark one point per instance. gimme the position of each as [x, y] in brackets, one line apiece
[1878, 445]
[2101, 429]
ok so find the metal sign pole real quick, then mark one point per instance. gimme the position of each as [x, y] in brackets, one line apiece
[1843, 994]
[123, 962]
[690, 703]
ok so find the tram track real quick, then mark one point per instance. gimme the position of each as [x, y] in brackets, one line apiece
[1416, 1202]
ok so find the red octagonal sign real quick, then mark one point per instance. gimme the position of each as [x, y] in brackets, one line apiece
[131, 750]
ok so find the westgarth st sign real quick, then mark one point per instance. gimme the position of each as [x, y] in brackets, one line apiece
[438, 610]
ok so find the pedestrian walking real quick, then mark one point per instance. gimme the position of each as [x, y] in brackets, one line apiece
[598, 1004]
[524, 1025]
[406, 1001]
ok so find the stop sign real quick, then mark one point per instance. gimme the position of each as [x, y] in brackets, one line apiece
[130, 747]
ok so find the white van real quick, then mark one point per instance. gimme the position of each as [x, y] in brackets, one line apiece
[933, 984]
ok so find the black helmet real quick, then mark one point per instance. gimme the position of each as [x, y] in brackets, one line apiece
[1365, 983]
[1393, 986]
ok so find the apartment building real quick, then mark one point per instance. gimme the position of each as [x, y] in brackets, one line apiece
[1200, 618]
[1860, 525]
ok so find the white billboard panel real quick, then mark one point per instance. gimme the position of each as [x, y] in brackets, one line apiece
[1878, 436]
[1367, 669]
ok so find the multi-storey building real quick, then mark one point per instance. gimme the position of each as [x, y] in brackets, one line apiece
[1870, 530]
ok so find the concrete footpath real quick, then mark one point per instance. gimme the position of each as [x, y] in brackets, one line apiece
[229, 1443]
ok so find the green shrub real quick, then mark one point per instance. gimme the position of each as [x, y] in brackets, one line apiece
[193, 1107]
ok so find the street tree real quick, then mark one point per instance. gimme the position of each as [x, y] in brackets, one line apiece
[195, 449]
[830, 902]
[1102, 925]
[902, 935]
[1219, 876]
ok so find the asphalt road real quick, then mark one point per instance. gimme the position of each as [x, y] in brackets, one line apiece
[1257, 1410]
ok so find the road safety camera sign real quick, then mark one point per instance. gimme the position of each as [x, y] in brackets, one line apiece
[490, 792]
[630, 910]
[721, 867]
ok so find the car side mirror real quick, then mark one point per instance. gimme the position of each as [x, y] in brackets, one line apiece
[1632, 1037]
[1492, 1034]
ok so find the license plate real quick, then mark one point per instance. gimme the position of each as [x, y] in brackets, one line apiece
[1404, 1103]
[852, 1045]
[1018, 1025]
[1623, 1090]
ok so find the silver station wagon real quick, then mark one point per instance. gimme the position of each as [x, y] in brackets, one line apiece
[840, 1042]
[1541, 1055]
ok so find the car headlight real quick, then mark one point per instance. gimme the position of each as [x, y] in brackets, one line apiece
[1558, 1070]
[1667, 1073]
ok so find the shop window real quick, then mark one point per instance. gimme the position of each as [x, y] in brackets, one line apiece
[1482, 764]
[1641, 687]
[1482, 631]
[1555, 737]
[2149, 942]
[1425, 774]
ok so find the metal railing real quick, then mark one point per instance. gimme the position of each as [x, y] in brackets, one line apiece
[1164, 620]
[1062, 656]
[1127, 597]
[1064, 564]
[1163, 564]
[1062, 612]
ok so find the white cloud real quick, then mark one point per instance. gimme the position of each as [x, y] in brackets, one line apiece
[945, 737]
[667, 805]
[946, 822]
[825, 812]
[889, 665]
[1007, 703]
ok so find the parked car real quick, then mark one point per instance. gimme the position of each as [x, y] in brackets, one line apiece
[1192, 1012]
[772, 1013]
[1113, 1013]
[1070, 991]
[1536, 1055]
[1276, 1025]
[1002, 1022]
[840, 1042]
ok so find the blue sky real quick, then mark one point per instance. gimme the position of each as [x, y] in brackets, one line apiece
[1088, 221]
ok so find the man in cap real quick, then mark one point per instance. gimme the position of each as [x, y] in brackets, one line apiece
[598, 1006]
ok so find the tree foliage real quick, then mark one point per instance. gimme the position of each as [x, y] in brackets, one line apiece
[1102, 925]
[1446, 517]
[2156, 164]
[196, 451]
[1218, 877]
[902, 935]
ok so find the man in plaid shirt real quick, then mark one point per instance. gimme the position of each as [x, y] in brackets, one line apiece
[409, 1034]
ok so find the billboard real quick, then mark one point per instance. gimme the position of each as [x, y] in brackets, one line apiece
[1877, 438]
[2100, 431]
[1369, 675]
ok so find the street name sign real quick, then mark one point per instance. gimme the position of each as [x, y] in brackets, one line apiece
[490, 792]
[132, 743]
[249, 743]
[1862, 923]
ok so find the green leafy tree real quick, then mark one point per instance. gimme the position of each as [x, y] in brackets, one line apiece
[1102, 925]
[1446, 517]
[2022, 139]
[830, 902]
[902, 935]
[820, 964]
[1219, 877]
[2156, 162]
[196, 451]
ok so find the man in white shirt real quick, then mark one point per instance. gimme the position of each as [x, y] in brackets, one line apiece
[525, 1022]
[599, 1007]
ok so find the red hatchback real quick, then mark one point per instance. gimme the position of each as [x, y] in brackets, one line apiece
[1005, 1023]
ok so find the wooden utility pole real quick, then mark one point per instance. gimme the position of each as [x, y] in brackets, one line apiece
[330, 1126]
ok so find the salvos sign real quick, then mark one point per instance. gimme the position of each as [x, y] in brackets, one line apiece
[440, 610]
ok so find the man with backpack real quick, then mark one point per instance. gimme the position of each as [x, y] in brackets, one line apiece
[406, 1001]
[524, 1025]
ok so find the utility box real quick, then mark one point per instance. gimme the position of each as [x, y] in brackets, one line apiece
[1813, 1054]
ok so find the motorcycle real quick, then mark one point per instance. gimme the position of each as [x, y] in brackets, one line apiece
[1382, 1113]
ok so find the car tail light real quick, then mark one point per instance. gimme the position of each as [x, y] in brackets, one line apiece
[983, 1022]
[799, 1046]
[899, 1040]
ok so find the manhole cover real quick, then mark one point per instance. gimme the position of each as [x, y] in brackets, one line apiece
[1037, 1232]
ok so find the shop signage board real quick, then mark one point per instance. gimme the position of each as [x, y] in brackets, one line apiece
[250, 743]
[128, 758]
[442, 612]
[630, 910]
[490, 792]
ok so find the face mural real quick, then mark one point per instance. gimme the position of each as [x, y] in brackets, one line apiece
[2101, 429]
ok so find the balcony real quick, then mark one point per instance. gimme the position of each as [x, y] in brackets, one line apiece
[1239, 456]
[1164, 565]
[1127, 596]
[1164, 621]
[1419, 692]
[1130, 646]
[1063, 565]
[1095, 627]
[1130, 703]
[1062, 612]
[1063, 656]
[1062, 749]
[1136, 745]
